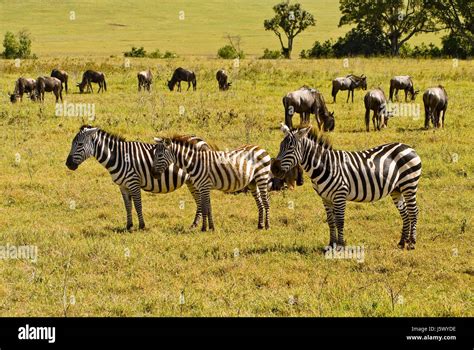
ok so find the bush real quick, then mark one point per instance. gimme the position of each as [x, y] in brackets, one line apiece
[360, 42]
[135, 52]
[17, 47]
[319, 50]
[229, 52]
[454, 46]
[271, 54]
[141, 52]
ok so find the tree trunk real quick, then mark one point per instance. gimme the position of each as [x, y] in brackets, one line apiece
[289, 49]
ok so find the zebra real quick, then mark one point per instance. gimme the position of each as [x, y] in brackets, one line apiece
[338, 176]
[228, 171]
[129, 164]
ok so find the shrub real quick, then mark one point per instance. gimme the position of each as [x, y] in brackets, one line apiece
[229, 52]
[361, 42]
[169, 54]
[135, 52]
[454, 46]
[271, 54]
[319, 50]
[155, 54]
[17, 46]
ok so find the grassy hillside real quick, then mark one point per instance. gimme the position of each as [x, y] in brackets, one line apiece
[110, 27]
[87, 264]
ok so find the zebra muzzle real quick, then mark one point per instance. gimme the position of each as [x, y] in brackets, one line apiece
[70, 163]
[276, 169]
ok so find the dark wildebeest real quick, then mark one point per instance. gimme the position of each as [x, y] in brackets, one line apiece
[293, 178]
[23, 86]
[306, 101]
[49, 84]
[61, 75]
[350, 83]
[376, 101]
[89, 77]
[145, 79]
[221, 77]
[181, 74]
[435, 100]
[402, 82]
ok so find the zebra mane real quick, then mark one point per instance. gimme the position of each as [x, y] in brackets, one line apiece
[192, 140]
[114, 136]
[320, 138]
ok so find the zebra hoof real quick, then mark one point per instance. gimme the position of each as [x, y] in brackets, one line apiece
[411, 246]
[129, 227]
[260, 227]
[193, 226]
[141, 227]
[401, 244]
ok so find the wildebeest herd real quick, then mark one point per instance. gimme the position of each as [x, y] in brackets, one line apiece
[337, 176]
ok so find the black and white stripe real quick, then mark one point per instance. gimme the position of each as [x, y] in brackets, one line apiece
[130, 165]
[226, 171]
[338, 176]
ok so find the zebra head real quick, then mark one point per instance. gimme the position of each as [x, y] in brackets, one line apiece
[290, 150]
[82, 147]
[163, 157]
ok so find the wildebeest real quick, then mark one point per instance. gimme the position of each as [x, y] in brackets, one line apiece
[22, 86]
[221, 77]
[402, 82]
[435, 100]
[61, 75]
[376, 101]
[292, 178]
[89, 77]
[49, 84]
[145, 79]
[306, 101]
[181, 74]
[350, 83]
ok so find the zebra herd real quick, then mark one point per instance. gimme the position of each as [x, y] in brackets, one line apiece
[337, 176]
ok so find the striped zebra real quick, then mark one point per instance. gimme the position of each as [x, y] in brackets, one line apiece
[129, 164]
[366, 176]
[228, 171]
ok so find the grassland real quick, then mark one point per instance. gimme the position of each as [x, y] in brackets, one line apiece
[84, 254]
[109, 27]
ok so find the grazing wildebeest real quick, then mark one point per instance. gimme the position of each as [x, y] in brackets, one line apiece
[402, 82]
[376, 101]
[22, 86]
[292, 178]
[181, 74]
[435, 100]
[89, 77]
[350, 83]
[145, 79]
[61, 75]
[221, 77]
[306, 101]
[49, 84]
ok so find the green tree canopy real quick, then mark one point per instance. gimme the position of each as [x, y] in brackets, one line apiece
[289, 20]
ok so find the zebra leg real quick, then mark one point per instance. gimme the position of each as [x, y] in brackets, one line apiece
[256, 193]
[128, 206]
[197, 200]
[399, 201]
[331, 223]
[266, 204]
[205, 196]
[413, 215]
[137, 201]
[339, 211]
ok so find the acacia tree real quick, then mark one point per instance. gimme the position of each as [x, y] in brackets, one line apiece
[456, 15]
[399, 20]
[289, 20]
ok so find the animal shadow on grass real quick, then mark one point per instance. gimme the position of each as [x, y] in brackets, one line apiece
[279, 248]
[400, 129]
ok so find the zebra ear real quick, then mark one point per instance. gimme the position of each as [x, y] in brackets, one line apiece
[90, 131]
[302, 132]
[158, 139]
[284, 128]
[167, 142]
